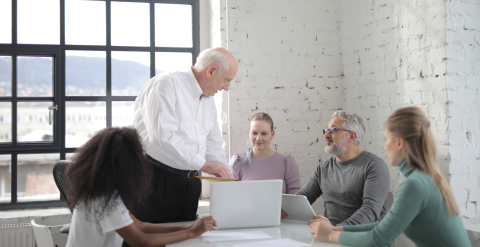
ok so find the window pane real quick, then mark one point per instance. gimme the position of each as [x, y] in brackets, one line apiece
[122, 113]
[35, 76]
[5, 76]
[69, 156]
[85, 73]
[130, 70]
[32, 122]
[83, 120]
[5, 122]
[38, 21]
[5, 21]
[173, 25]
[5, 178]
[83, 30]
[170, 61]
[35, 179]
[130, 24]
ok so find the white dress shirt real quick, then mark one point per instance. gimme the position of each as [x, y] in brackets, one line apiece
[178, 128]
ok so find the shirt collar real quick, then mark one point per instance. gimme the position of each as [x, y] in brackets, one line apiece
[194, 85]
[405, 168]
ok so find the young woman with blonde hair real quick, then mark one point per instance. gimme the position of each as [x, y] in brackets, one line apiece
[424, 207]
[260, 162]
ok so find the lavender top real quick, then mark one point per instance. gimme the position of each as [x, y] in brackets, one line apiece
[275, 167]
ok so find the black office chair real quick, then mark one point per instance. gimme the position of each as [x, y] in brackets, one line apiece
[61, 180]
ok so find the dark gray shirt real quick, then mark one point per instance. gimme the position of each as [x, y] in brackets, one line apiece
[354, 191]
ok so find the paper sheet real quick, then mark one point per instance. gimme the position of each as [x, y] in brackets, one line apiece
[285, 242]
[235, 236]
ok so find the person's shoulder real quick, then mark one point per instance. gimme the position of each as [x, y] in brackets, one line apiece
[171, 76]
[165, 81]
[374, 164]
[325, 163]
[417, 181]
[289, 160]
[328, 161]
[372, 158]
[278, 155]
[369, 155]
[238, 158]
[420, 176]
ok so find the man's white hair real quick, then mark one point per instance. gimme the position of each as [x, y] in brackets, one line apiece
[353, 122]
[210, 57]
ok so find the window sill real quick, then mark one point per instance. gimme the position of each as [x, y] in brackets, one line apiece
[58, 216]
[47, 216]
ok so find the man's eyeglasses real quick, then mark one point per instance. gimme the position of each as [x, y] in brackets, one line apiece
[333, 130]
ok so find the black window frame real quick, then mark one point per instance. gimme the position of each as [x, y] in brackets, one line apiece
[58, 53]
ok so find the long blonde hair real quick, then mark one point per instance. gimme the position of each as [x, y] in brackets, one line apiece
[411, 124]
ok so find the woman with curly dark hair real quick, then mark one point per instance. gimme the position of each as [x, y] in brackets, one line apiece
[108, 176]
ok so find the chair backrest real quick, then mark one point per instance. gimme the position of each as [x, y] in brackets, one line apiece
[60, 177]
[43, 236]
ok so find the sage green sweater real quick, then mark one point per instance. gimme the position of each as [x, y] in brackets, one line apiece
[418, 210]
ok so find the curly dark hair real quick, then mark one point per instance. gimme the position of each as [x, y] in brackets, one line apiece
[110, 164]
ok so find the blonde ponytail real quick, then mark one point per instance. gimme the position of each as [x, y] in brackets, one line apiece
[412, 125]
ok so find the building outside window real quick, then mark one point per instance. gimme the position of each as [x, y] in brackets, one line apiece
[69, 68]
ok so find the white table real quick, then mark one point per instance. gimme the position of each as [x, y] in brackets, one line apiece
[298, 231]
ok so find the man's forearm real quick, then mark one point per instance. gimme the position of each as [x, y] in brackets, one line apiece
[311, 191]
[366, 214]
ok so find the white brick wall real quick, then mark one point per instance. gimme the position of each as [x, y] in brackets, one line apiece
[463, 84]
[299, 60]
[389, 54]
[290, 67]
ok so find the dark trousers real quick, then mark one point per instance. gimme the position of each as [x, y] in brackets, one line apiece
[174, 196]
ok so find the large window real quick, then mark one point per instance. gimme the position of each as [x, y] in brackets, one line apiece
[69, 68]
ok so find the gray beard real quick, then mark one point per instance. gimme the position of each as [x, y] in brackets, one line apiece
[339, 148]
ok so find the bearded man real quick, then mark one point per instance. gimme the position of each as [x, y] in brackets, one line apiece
[354, 183]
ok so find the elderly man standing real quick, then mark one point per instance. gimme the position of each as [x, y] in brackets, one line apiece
[354, 183]
[176, 118]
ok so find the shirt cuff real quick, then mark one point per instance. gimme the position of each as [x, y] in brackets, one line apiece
[348, 228]
[345, 238]
[197, 162]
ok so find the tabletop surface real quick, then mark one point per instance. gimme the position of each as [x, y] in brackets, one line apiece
[298, 231]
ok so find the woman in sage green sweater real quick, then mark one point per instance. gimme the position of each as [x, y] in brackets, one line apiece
[424, 207]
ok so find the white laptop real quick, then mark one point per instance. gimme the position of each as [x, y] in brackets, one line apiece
[246, 203]
[297, 208]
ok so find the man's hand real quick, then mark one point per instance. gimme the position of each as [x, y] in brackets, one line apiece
[201, 225]
[320, 217]
[283, 215]
[321, 229]
[216, 169]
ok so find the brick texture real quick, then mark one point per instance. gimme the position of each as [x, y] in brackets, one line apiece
[290, 67]
[463, 86]
[299, 60]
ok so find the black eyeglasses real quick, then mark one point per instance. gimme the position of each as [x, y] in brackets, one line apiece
[332, 130]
